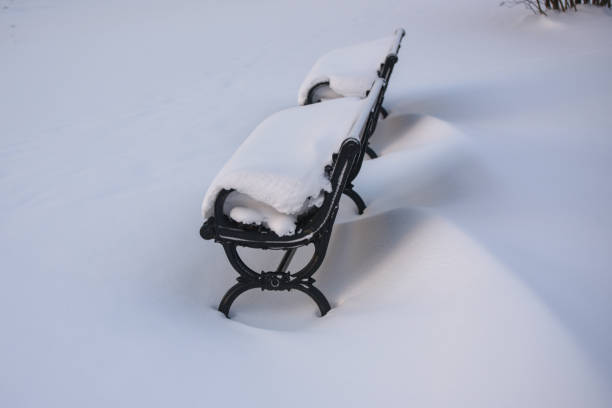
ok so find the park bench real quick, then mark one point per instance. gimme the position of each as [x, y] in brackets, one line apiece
[281, 189]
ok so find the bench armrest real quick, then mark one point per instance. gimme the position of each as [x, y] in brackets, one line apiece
[395, 46]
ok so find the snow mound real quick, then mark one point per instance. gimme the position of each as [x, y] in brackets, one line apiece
[418, 157]
[541, 23]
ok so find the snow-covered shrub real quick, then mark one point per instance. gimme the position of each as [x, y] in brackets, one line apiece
[538, 6]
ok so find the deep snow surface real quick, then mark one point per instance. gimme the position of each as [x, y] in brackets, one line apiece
[478, 277]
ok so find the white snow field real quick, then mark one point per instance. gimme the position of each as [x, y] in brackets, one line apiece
[479, 276]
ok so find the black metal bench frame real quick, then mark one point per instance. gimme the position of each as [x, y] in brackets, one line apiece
[314, 227]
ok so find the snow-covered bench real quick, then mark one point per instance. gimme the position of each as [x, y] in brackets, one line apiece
[281, 189]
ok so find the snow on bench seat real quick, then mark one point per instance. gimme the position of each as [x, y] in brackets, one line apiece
[350, 71]
[279, 169]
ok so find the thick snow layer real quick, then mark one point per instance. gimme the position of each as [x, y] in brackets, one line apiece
[350, 71]
[242, 208]
[282, 162]
[476, 278]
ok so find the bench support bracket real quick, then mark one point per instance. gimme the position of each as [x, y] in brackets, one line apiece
[353, 195]
[370, 152]
[277, 280]
[384, 112]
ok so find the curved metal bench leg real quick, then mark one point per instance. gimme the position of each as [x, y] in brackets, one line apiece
[248, 279]
[278, 280]
[231, 295]
[316, 295]
[370, 152]
[384, 112]
[356, 199]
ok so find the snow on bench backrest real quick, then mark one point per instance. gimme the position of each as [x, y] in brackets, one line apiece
[351, 71]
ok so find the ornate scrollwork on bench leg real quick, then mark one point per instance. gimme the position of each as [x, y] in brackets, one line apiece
[277, 280]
